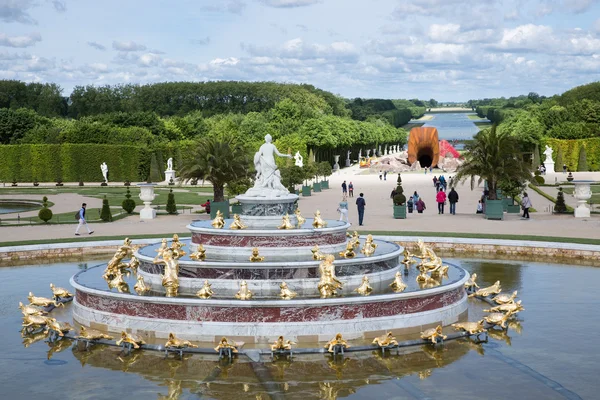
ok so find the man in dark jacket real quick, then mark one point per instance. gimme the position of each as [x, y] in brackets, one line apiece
[453, 199]
[360, 205]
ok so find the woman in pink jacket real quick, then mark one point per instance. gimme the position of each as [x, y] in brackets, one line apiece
[440, 197]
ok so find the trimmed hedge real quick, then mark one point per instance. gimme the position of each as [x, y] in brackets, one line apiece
[571, 149]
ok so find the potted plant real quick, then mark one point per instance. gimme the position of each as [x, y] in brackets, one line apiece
[512, 189]
[493, 157]
[399, 201]
[309, 172]
[325, 170]
[291, 175]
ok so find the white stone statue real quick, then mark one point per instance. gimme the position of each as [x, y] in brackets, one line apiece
[104, 169]
[170, 164]
[548, 152]
[268, 179]
[298, 157]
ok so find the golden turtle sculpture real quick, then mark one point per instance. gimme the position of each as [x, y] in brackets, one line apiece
[398, 285]
[286, 293]
[487, 291]
[33, 322]
[31, 310]
[60, 293]
[58, 326]
[92, 334]
[473, 328]
[129, 338]
[281, 344]
[177, 343]
[386, 340]
[505, 298]
[338, 340]
[224, 344]
[42, 301]
[497, 319]
[471, 284]
[512, 308]
[364, 289]
[433, 334]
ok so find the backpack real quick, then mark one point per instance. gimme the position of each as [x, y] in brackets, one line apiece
[77, 215]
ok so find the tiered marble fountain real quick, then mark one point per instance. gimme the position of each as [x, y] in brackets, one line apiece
[287, 257]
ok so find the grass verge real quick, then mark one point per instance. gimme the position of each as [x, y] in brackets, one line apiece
[539, 191]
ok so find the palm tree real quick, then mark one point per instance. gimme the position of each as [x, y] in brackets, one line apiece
[494, 157]
[219, 160]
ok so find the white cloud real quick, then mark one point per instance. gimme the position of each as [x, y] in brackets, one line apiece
[452, 33]
[17, 11]
[289, 3]
[20, 41]
[579, 6]
[298, 49]
[127, 45]
[527, 37]
[97, 46]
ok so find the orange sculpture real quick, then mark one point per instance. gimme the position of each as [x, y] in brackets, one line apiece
[423, 146]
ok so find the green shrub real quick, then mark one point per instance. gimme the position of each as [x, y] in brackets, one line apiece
[538, 178]
[558, 164]
[105, 214]
[582, 163]
[171, 206]
[155, 175]
[399, 198]
[560, 206]
[536, 157]
[45, 214]
[128, 204]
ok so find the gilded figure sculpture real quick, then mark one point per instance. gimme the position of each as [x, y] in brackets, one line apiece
[473, 328]
[398, 285]
[281, 344]
[487, 291]
[140, 286]
[364, 289]
[42, 301]
[338, 340]
[219, 221]
[497, 319]
[328, 282]
[408, 258]
[299, 217]
[286, 293]
[116, 262]
[386, 340]
[285, 223]
[433, 334]
[159, 252]
[133, 265]
[31, 310]
[199, 254]
[175, 342]
[177, 247]
[355, 240]
[512, 308]
[60, 293]
[170, 280]
[92, 334]
[471, 284]
[319, 222]
[118, 282]
[505, 298]
[134, 340]
[237, 223]
[244, 293]
[224, 344]
[255, 257]
[206, 291]
[316, 253]
[349, 252]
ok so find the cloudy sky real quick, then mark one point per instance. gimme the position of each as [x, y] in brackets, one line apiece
[451, 50]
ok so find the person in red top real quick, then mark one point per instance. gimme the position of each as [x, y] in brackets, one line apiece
[206, 206]
[440, 197]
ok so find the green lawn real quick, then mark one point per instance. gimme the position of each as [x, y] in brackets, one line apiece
[476, 117]
[411, 125]
[482, 124]
[595, 199]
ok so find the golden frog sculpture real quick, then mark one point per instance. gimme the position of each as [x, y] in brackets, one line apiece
[59, 293]
[487, 291]
[224, 344]
[244, 293]
[471, 284]
[199, 254]
[118, 282]
[58, 326]
[31, 310]
[504, 298]
[92, 334]
[34, 321]
[285, 223]
[318, 221]
[219, 221]
[316, 253]
[328, 282]
[286, 293]
[497, 319]
[349, 252]
[299, 217]
[135, 340]
[177, 343]
[42, 301]
[237, 223]
[386, 340]
[281, 344]
[140, 286]
[206, 291]
[369, 247]
[473, 328]
[177, 247]
[512, 308]
[337, 340]
[255, 257]
[433, 334]
[398, 285]
[364, 289]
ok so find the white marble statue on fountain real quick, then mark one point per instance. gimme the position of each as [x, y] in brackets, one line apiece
[104, 169]
[268, 178]
[299, 160]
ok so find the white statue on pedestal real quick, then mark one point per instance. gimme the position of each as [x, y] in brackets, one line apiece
[548, 152]
[170, 164]
[104, 169]
[268, 179]
[298, 157]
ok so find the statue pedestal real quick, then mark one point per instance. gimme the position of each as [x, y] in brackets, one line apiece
[549, 166]
[169, 174]
[147, 196]
[266, 212]
[582, 193]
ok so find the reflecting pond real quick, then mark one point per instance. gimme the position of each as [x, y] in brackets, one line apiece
[452, 126]
[548, 353]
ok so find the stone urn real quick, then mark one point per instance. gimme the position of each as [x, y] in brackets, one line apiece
[147, 195]
[582, 193]
[336, 166]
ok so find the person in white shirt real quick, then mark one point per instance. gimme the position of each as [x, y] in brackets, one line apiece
[526, 205]
[82, 221]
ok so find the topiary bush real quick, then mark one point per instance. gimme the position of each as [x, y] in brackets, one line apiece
[538, 178]
[559, 162]
[582, 164]
[105, 214]
[45, 214]
[399, 198]
[128, 204]
[171, 206]
[560, 206]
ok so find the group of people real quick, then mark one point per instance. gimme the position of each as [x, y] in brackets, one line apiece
[360, 206]
[440, 183]
[347, 190]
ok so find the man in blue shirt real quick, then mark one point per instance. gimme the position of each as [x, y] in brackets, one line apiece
[82, 220]
[360, 204]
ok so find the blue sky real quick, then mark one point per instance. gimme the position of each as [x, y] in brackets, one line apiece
[450, 50]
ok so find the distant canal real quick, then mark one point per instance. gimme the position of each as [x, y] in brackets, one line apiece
[453, 126]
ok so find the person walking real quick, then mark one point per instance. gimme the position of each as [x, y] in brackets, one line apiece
[82, 221]
[385, 175]
[343, 209]
[453, 199]
[360, 205]
[380, 175]
[564, 168]
[351, 189]
[435, 182]
[415, 197]
[440, 197]
[525, 205]
[206, 206]
[344, 189]
[420, 204]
